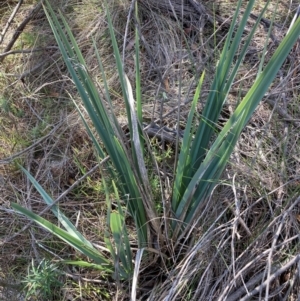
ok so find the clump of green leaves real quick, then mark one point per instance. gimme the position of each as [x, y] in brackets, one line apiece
[42, 281]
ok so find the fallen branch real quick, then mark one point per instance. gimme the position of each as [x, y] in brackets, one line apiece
[2, 55]
[4, 31]
[21, 27]
[271, 278]
[281, 112]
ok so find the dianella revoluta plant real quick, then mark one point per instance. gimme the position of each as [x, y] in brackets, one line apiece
[204, 151]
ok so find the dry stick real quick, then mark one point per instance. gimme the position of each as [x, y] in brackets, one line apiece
[269, 260]
[284, 143]
[276, 274]
[263, 20]
[2, 55]
[201, 10]
[236, 295]
[57, 200]
[252, 282]
[242, 272]
[292, 283]
[267, 23]
[20, 29]
[126, 29]
[240, 220]
[198, 7]
[3, 33]
[287, 117]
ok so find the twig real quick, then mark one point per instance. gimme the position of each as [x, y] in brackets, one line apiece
[240, 291]
[2, 55]
[126, 29]
[270, 256]
[21, 27]
[265, 21]
[252, 282]
[162, 133]
[240, 220]
[3, 33]
[287, 117]
[201, 10]
[276, 274]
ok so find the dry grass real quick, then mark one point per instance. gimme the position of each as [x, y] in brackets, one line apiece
[250, 233]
